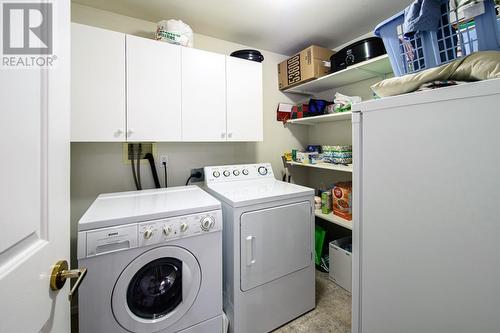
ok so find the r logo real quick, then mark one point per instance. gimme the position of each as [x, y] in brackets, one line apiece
[27, 28]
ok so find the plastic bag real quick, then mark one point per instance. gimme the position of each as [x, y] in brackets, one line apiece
[343, 103]
[174, 32]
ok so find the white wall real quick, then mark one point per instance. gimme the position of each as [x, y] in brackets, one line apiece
[98, 167]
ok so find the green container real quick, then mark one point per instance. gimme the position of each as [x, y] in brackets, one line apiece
[326, 202]
[319, 234]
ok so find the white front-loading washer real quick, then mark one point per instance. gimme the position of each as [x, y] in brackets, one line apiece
[269, 273]
[154, 261]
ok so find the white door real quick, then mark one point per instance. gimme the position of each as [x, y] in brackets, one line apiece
[274, 242]
[244, 100]
[97, 84]
[203, 96]
[34, 191]
[153, 90]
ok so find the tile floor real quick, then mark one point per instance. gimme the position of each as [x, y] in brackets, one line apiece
[332, 313]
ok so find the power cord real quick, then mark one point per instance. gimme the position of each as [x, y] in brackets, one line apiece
[196, 174]
[166, 175]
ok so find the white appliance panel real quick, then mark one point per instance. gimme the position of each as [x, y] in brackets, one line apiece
[274, 242]
[129, 207]
[428, 217]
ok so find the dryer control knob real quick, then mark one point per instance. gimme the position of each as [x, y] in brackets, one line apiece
[206, 223]
[216, 174]
[245, 172]
[226, 173]
[262, 170]
[167, 230]
[236, 172]
[148, 233]
[184, 227]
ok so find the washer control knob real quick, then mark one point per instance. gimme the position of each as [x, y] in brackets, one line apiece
[206, 223]
[227, 173]
[184, 227]
[216, 174]
[236, 172]
[148, 233]
[263, 170]
[245, 172]
[167, 230]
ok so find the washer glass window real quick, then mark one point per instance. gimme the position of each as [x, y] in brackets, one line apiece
[156, 289]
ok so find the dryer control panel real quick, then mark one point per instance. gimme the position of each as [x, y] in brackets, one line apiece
[106, 240]
[230, 173]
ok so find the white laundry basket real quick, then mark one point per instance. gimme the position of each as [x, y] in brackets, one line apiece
[341, 263]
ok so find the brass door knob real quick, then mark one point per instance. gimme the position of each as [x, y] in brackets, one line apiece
[60, 274]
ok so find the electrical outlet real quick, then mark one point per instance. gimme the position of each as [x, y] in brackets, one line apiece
[199, 179]
[163, 159]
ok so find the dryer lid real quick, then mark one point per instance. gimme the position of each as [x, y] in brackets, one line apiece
[136, 206]
[244, 193]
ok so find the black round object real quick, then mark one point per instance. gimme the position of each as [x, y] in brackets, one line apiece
[252, 55]
[156, 289]
[357, 52]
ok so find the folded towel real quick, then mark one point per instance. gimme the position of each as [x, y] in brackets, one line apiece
[421, 15]
[483, 65]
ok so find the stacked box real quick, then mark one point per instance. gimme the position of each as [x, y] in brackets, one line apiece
[307, 65]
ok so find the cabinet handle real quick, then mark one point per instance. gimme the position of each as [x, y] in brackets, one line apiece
[230, 135]
[118, 132]
[223, 135]
[130, 132]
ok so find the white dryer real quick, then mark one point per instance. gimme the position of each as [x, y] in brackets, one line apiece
[154, 262]
[269, 273]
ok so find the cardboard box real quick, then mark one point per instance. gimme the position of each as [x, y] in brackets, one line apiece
[284, 112]
[307, 65]
[342, 200]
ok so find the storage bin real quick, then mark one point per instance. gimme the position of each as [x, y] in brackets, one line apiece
[453, 39]
[341, 262]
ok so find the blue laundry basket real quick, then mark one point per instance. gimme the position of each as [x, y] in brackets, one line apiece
[454, 38]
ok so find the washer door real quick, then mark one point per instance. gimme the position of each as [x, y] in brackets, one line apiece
[156, 289]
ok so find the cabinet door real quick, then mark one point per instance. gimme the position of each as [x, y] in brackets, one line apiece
[203, 96]
[153, 90]
[97, 84]
[244, 100]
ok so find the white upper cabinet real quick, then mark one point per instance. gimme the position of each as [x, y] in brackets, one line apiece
[203, 96]
[244, 100]
[153, 90]
[97, 84]
[127, 88]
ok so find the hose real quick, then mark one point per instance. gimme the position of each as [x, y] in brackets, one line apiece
[139, 152]
[133, 167]
[151, 160]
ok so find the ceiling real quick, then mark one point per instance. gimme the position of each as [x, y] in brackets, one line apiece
[282, 26]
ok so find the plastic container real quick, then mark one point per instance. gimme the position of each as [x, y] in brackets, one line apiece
[453, 39]
[340, 253]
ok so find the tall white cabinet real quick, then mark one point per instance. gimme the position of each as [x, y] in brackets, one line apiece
[203, 96]
[127, 88]
[97, 84]
[244, 100]
[153, 90]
